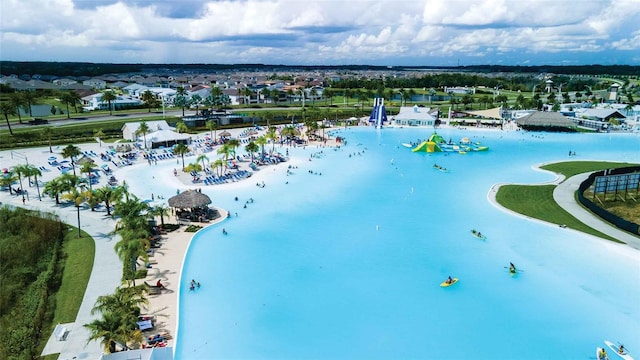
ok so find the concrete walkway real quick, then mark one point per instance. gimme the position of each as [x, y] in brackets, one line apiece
[105, 277]
[564, 196]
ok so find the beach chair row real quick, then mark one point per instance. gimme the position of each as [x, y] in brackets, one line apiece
[226, 178]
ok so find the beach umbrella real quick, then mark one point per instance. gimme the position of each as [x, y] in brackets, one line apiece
[189, 199]
[83, 160]
[225, 134]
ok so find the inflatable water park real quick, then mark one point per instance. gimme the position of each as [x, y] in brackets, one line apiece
[436, 143]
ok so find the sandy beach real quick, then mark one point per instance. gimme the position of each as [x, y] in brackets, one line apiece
[165, 261]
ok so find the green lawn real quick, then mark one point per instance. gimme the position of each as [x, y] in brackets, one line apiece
[536, 201]
[78, 264]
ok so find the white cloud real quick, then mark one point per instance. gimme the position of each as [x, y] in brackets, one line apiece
[287, 31]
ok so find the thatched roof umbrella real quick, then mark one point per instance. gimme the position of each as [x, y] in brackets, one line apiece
[225, 134]
[83, 160]
[189, 199]
[541, 120]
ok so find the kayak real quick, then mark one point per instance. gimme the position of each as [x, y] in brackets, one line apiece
[478, 235]
[614, 348]
[445, 284]
[598, 350]
[407, 145]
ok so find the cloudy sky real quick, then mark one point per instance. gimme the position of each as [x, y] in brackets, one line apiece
[323, 32]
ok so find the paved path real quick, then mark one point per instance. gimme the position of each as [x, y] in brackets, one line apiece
[105, 277]
[564, 196]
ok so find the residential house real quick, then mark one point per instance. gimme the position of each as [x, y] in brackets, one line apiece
[95, 83]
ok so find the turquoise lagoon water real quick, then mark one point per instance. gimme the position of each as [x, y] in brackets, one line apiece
[347, 264]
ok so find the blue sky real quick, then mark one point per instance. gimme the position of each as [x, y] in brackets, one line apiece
[323, 32]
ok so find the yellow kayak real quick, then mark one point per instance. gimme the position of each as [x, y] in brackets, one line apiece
[446, 284]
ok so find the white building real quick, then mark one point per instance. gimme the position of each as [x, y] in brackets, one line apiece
[414, 116]
[129, 130]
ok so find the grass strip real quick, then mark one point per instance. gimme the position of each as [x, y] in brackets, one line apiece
[537, 201]
[78, 255]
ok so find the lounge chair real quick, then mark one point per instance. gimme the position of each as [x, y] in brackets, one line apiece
[145, 325]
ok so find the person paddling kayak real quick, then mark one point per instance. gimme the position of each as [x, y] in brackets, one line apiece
[512, 268]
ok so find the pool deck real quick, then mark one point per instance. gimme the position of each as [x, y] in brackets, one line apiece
[106, 274]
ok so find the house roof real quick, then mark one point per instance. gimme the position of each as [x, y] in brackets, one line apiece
[414, 113]
[545, 118]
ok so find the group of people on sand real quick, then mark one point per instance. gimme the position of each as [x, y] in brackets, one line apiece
[194, 285]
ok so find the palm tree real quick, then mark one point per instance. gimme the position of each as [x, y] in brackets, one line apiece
[217, 164]
[29, 98]
[273, 136]
[35, 172]
[54, 188]
[202, 158]
[7, 109]
[7, 181]
[197, 101]
[181, 127]
[134, 244]
[252, 148]
[47, 133]
[107, 194]
[71, 151]
[99, 134]
[69, 98]
[144, 130]
[20, 170]
[181, 98]
[212, 126]
[78, 197]
[87, 168]
[108, 329]
[233, 144]
[161, 211]
[108, 96]
[150, 99]
[225, 150]
[181, 150]
[17, 102]
[261, 141]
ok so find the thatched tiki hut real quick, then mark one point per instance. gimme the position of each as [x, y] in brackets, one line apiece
[192, 205]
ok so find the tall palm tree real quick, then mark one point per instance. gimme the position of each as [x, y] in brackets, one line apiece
[78, 197]
[213, 127]
[7, 181]
[161, 211]
[29, 99]
[71, 152]
[149, 98]
[20, 170]
[252, 148]
[260, 141]
[54, 188]
[87, 168]
[181, 150]
[181, 127]
[108, 96]
[17, 102]
[47, 133]
[144, 130]
[99, 134]
[196, 100]
[181, 99]
[69, 98]
[202, 158]
[108, 329]
[273, 136]
[133, 245]
[218, 164]
[225, 150]
[7, 109]
[108, 195]
[35, 172]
